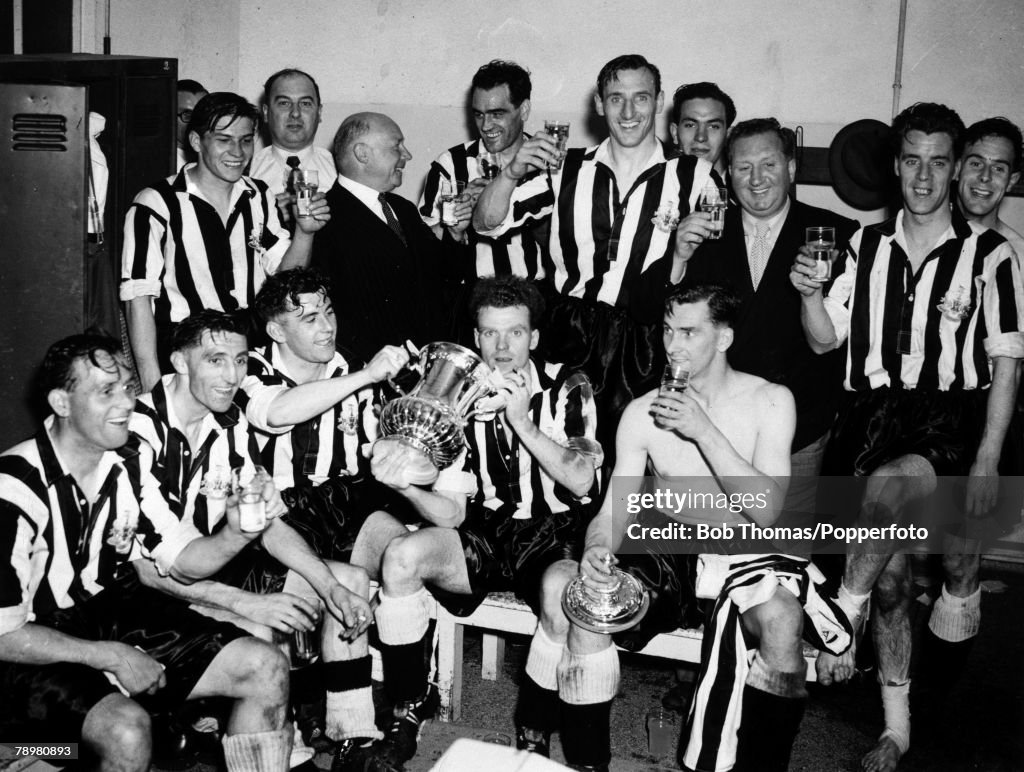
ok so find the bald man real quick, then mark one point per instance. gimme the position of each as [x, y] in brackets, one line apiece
[385, 265]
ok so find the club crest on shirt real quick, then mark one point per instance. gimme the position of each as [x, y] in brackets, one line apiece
[122, 530]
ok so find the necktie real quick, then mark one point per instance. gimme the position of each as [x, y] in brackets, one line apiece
[389, 215]
[293, 164]
[759, 252]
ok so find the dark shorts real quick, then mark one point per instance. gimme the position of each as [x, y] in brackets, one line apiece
[881, 425]
[50, 702]
[622, 357]
[330, 515]
[504, 554]
[670, 577]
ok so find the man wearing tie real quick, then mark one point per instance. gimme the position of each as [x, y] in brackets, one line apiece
[753, 257]
[384, 264]
[292, 111]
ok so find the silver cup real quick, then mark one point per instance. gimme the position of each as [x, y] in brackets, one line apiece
[430, 420]
[607, 608]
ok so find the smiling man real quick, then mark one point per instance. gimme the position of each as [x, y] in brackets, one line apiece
[386, 268]
[496, 520]
[500, 106]
[292, 112]
[928, 393]
[701, 116]
[989, 166]
[612, 262]
[206, 237]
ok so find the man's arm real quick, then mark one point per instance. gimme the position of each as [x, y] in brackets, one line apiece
[142, 334]
[442, 507]
[285, 544]
[606, 530]
[490, 217]
[983, 483]
[300, 248]
[566, 467]
[773, 415]
[33, 644]
[291, 406]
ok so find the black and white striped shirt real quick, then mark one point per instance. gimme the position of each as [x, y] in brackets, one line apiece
[318, 449]
[603, 241]
[224, 441]
[936, 329]
[58, 547]
[517, 251]
[178, 251]
[507, 478]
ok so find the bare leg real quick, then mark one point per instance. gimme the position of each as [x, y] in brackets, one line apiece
[891, 633]
[118, 731]
[890, 488]
[377, 531]
[255, 673]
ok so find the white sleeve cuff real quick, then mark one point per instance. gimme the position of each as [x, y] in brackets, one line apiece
[139, 288]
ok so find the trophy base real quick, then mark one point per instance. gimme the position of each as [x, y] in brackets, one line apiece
[628, 606]
[416, 458]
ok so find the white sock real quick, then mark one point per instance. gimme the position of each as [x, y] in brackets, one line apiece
[403, 620]
[896, 706]
[542, 661]
[350, 715]
[586, 679]
[301, 753]
[956, 619]
[258, 751]
[767, 679]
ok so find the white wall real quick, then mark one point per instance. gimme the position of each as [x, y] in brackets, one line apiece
[818, 63]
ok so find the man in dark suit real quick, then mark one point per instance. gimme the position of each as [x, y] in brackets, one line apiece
[386, 267]
[753, 257]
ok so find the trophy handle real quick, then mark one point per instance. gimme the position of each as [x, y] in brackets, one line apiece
[415, 363]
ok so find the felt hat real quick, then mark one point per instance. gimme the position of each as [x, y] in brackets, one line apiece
[860, 164]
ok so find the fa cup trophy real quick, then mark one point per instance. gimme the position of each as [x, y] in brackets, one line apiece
[427, 424]
[606, 608]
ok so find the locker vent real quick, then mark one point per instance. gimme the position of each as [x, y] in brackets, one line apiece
[39, 132]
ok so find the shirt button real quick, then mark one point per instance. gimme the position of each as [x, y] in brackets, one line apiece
[187, 453]
[81, 503]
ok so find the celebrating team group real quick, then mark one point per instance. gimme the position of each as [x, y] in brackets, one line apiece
[268, 321]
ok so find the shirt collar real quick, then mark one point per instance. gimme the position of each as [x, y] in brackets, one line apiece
[211, 421]
[774, 223]
[54, 467]
[364, 193]
[242, 187]
[275, 357]
[958, 228]
[603, 154]
[283, 155]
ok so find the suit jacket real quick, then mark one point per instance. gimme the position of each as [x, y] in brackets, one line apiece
[769, 339]
[384, 291]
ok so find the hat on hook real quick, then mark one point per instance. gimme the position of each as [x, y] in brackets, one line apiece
[860, 164]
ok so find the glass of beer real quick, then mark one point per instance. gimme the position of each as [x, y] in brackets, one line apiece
[252, 509]
[714, 200]
[821, 241]
[559, 131]
[306, 183]
[451, 193]
[490, 165]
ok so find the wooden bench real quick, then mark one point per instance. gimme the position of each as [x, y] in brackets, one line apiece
[503, 613]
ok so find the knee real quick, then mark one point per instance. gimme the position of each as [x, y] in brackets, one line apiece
[552, 586]
[119, 726]
[260, 668]
[892, 590]
[353, 578]
[960, 568]
[401, 559]
[781, 620]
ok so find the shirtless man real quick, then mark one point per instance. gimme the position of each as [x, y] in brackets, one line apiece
[730, 433]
